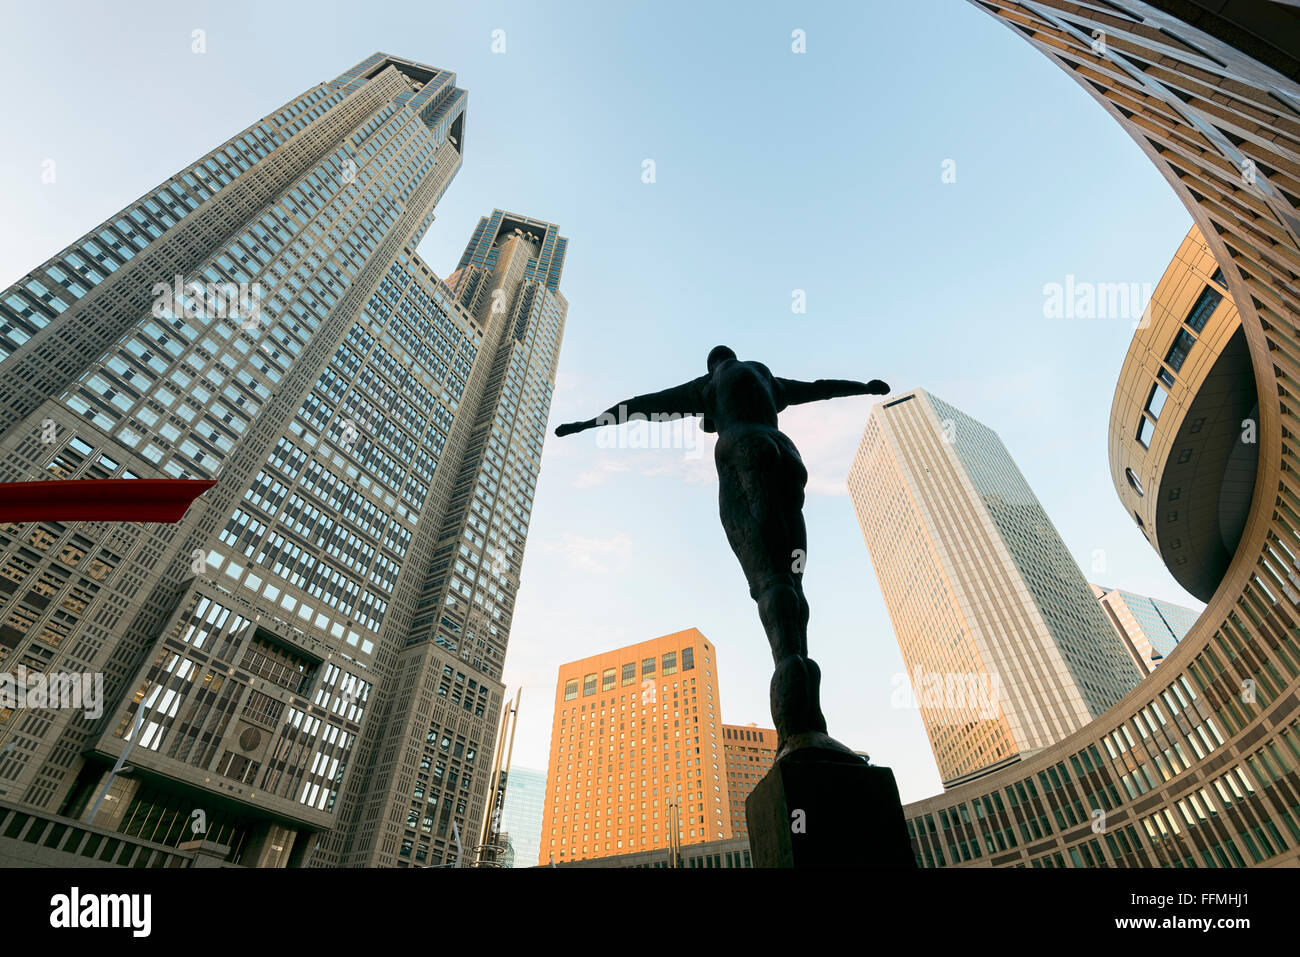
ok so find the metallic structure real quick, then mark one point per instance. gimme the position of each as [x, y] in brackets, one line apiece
[492, 851]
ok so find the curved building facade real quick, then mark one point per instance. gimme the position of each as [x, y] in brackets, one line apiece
[1200, 764]
[1184, 426]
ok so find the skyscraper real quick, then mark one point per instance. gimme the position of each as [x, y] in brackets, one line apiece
[1149, 627]
[521, 814]
[426, 764]
[261, 319]
[636, 752]
[1008, 650]
[750, 752]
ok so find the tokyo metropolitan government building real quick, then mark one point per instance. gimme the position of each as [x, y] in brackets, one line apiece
[305, 670]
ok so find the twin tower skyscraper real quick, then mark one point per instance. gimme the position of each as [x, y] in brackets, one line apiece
[307, 668]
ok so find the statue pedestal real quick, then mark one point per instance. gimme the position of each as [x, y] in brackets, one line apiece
[823, 811]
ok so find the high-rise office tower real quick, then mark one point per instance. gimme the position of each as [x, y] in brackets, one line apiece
[262, 320]
[750, 752]
[521, 814]
[1149, 627]
[1007, 648]
[637, 758]
[426, 769]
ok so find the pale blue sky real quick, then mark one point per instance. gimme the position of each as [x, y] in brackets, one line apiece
[774, 172]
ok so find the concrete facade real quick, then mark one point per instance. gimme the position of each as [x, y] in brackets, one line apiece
[1184, 443]
[310, 659]
[730, 853]
[636, 752]
[750, 752]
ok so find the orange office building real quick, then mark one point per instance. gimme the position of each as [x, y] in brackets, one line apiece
[636, 752]
[750, 752]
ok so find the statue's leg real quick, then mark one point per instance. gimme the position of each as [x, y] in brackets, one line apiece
[784, 613]
[761, 492]
[761, 498]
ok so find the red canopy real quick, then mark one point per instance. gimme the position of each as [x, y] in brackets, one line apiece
[100, 500]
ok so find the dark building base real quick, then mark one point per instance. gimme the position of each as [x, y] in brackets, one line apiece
[815, 809]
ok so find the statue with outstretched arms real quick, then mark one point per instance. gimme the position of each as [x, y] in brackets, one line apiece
[761, 483]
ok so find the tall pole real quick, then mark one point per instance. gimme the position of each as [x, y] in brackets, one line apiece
[117, 767]
[514, 724]
[500, 776]
[674, 835]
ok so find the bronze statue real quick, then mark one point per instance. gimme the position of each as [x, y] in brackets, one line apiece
[760, 494]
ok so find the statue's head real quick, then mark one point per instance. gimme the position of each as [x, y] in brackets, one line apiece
[718, 354]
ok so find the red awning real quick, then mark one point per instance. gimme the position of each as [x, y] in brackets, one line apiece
[100, 500]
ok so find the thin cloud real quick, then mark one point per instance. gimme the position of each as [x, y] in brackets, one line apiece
[827, 436]
[587, 553]
[605, 467]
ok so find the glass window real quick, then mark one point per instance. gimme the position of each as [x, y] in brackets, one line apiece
[670, 663]
[1206, 303]
[571, 689]
[1156, 401]
[688, 659]
[1144, 432]
[629, 673]
[648, 666]
[1133, 481]
[589, 685]
[1178, 351]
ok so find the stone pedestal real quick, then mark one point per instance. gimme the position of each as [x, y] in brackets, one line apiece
[815, 809]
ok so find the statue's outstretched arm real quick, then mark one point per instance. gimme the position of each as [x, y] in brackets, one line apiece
[795, 392]
[684, 399]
